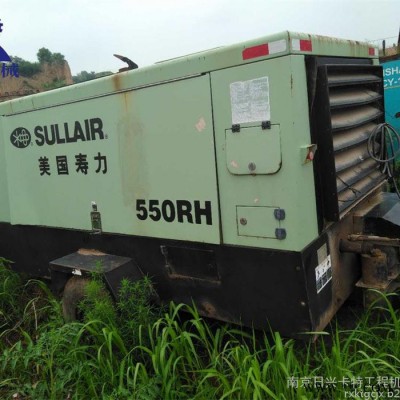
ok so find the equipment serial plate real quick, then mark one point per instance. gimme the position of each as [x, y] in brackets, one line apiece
[323, 273]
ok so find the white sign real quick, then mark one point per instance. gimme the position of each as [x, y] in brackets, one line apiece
[323, 273]
[250, 101]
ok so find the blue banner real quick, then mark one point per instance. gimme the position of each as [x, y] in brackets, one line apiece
[391, 75]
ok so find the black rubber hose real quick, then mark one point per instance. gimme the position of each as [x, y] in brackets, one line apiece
[380, 142]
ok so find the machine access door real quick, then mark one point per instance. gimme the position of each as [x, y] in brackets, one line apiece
[267, 192]
[143, 157]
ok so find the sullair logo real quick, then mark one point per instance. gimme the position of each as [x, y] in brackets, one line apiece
[89, 129]
[20, 138]
[78, 131]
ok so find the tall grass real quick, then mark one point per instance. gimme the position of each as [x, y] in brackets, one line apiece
[130, 350]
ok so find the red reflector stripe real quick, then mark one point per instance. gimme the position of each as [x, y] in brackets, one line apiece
[255, 51]
[305, 45]
[371, 51]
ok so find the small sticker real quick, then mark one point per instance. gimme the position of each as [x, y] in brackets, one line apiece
[250, 101]
[323, 273]
[76, 271]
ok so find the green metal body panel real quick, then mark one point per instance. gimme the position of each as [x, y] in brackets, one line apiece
[291, 187]
[154, 151]
[172, 153]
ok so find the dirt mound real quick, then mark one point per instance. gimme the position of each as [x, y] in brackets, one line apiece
[50, 77]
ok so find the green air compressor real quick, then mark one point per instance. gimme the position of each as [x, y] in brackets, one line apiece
[249, 179]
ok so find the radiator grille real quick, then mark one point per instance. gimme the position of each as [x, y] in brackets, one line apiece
[347, 107]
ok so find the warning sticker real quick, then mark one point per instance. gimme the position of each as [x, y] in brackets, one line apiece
[323, 273]
[250, 101]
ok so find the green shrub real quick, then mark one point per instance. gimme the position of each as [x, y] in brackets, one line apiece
[55, 84]
[131, 350]
[98, 304]
[46, 56]
[26, 68]
[84, 76]
[135, 309]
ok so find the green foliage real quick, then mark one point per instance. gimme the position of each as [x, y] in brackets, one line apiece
[29, 69]
[55, 84]
[57, 58]
[46, 56]
[84, 76]
[130, 350]
[135, 309]
[10, 284]
[97, 304]
[26, 68]
[24, 305]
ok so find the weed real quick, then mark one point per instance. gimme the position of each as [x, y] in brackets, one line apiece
[136, 310]
[10, 284]
[97, 304]
[132, 350]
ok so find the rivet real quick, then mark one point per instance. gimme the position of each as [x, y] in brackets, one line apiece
[243, 221]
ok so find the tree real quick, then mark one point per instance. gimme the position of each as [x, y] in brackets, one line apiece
[44, 55]
[57, 58]
[26, 68]
[84, 76]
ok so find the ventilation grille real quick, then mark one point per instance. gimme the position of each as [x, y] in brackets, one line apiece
[347, 107]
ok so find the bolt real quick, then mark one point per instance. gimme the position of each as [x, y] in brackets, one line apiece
[243, 221]
[303, 303]
[252, 166]
[298, 268]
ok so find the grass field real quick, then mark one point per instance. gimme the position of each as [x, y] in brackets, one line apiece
[131, 350]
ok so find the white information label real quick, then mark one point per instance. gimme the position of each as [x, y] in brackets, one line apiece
[76, 271]
[250, 101]
[323, 273]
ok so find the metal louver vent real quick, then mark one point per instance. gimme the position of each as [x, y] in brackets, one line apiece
[347, 106]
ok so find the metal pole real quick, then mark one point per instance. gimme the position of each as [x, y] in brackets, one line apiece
[398, 40]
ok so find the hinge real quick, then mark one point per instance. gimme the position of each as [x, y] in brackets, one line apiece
[279, 214]
[235, 128]
[266, 125]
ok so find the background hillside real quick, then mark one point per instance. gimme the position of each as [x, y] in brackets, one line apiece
[50, 71]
